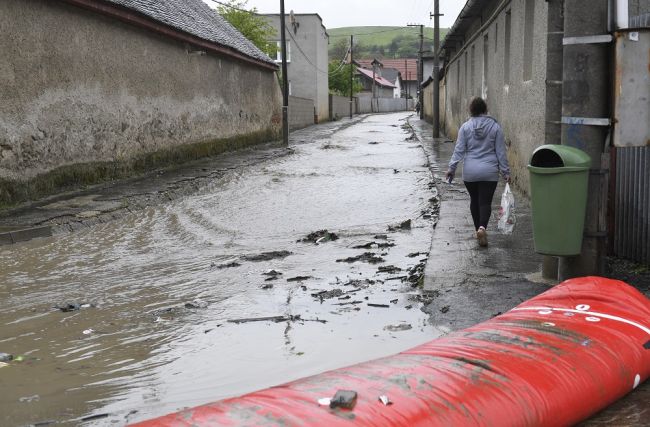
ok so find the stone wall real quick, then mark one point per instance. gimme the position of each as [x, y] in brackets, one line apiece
[84, 98]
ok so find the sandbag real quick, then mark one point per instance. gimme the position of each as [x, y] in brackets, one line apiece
[552, 361]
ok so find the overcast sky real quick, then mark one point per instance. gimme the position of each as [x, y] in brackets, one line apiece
[349, 13]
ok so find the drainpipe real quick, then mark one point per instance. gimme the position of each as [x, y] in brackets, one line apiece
[553, 130]
[586, 120]
[622, 14]
[285, 79]
[436, 70]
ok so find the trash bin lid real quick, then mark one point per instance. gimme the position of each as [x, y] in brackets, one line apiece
[556, 156]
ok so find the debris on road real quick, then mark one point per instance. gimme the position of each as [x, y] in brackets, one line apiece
[381, 236]
[266, 256]
[359, 283]
[370, 304]
[319, 236]
[88, 331]
[404, 225]
[444, 309]
[228, 265]
[370, 245]
[368, 257]
[6, 357]
[328, 294]
[414, 254]
[267, 286]
[197, 303]
[355, 302]
[272, 273]
[416, 275]
[276, 319]
[391, 269]
[344, 399]
[399, 327]
[299, 278]
[385, 400]
[67, 307]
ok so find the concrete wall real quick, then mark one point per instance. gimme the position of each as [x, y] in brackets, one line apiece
[384, 105]
[340, 106]
[84, 98]
[301, 112]
[638, 7]
[307, 70]
[518, 103]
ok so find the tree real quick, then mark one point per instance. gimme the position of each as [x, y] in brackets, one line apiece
[339, 49]
[254, 27]
[339, 79]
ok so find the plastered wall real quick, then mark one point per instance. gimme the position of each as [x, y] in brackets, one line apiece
[79, 88]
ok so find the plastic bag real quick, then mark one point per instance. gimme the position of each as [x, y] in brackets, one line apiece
[507, 217]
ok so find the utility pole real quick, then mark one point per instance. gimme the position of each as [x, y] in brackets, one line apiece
[436, 69]
[586, 121]
[420, 68]
[351, 71]
[285, 79]
[406, 71]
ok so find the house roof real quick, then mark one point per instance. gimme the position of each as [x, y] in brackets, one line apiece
[390, 74]
[192, 17]
[408, 67]
[380, 80]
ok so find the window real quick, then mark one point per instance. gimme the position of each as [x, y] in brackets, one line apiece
[506, 51]
[278, 54]
[529, 23]
[484, 80]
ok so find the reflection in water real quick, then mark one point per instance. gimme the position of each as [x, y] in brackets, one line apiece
[135, 349]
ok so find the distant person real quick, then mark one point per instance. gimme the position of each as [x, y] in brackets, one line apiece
[482, 148]
[417, 107]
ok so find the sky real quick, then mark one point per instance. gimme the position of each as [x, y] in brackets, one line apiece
[349, 13]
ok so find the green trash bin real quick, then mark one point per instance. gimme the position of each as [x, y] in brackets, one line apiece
[559, 178]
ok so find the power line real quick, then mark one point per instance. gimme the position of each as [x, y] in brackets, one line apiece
[304, 54]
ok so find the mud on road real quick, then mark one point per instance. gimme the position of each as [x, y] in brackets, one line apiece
[269, 270]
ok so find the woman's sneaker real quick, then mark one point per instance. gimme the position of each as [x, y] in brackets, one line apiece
[481, 235]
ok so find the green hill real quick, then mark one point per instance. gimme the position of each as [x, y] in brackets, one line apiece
[380, 42]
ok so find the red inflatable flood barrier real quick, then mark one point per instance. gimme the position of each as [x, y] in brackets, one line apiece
[553, 360]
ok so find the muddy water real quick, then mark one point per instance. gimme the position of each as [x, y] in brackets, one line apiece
[136, 348]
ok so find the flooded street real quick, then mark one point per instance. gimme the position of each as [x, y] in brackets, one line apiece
[226, 290]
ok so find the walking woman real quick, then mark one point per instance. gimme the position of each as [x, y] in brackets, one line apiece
[481, 146]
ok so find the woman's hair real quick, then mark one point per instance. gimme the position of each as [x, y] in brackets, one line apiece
[477, 106]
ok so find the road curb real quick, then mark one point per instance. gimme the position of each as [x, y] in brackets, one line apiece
[25, 234]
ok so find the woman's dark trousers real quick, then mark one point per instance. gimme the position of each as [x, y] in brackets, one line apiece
[481, 194]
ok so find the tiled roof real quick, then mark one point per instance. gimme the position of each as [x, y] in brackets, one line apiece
[408, 67]
[390, 74]
[196, 18]
[380, 80]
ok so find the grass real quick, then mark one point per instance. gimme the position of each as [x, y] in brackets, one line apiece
[381, 36]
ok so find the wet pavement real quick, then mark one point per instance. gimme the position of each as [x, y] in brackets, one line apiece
[218, 278]
[469, 284]
[136, 308]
